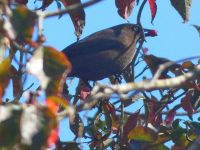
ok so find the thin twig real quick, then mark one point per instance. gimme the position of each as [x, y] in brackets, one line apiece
[145, 68]
[164, 66]
[21, 48]
[140, 11]
[70, 8]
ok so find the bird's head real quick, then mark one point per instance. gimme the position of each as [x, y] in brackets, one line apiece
[137, 29]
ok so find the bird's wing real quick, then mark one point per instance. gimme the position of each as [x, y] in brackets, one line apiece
[96, 42]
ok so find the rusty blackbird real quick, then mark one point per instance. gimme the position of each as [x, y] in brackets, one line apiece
[103, 53]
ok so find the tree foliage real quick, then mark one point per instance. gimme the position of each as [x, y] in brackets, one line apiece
[33, 125]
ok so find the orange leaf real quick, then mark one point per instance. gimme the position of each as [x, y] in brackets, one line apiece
[53, 137]
[52, 102]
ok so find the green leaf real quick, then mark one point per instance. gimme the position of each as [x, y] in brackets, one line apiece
[142, 133]
[9, 125]
[23, 21]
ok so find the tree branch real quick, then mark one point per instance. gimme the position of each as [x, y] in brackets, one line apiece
[105, 91]
[71, 7]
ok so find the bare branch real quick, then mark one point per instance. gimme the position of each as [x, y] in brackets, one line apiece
[164, 66]
[105, 91]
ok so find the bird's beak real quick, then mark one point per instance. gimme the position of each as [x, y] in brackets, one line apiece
[150, 32]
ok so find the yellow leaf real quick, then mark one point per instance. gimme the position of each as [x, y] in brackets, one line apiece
[4, 74]
[187, 64]
[142, 133]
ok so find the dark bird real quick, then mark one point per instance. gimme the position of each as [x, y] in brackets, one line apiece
[104, 53]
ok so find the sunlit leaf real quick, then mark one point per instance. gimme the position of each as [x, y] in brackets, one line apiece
[77, 16]
[125, 7]
[52, 102]
[48, 65]
[4, 74]
[53, 137]
[35, 67]
[142, 133]
[55, 62]
[41, 124]
[187, 65]
[183, 8]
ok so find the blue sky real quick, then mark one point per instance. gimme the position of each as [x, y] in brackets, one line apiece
[175, 40]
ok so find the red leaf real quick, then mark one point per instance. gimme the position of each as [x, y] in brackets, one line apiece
[85, 92]
[186, 104]
[130, 124]
[125, 7]
[53, 137]
[22, 1]
[151, 33]
[153, 117]
[145, 50]
[110, 108]
[77, 16]
[170, 117]
[153, 8]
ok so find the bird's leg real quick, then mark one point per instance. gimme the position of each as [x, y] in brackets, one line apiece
[118, 78]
